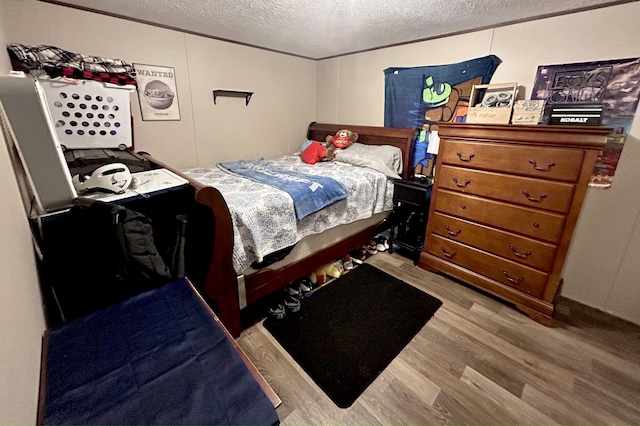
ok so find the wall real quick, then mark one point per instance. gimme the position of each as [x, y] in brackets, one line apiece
[276, 119]
[273, 123]
[602, 266]
[21, 313]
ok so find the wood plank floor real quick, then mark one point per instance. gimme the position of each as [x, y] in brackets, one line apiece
[477, 361]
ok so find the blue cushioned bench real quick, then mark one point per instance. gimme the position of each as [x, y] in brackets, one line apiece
[161, 357]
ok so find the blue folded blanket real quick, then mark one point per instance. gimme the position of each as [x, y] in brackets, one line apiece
[310, 193]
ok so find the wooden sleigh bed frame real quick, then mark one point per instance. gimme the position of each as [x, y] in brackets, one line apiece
[210, 265]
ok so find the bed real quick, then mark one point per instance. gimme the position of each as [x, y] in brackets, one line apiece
[230, 280]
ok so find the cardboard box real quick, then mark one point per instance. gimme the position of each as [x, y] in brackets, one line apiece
[491, 103]
[528, 112]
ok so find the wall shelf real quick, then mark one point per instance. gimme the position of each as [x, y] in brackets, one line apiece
[232, 94]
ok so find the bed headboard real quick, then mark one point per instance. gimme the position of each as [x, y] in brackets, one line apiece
[372, 135]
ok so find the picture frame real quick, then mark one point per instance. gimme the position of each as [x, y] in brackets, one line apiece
[491, 103]
[614, 84]
[157, 93]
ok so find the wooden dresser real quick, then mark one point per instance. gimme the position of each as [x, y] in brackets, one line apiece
[504, 206]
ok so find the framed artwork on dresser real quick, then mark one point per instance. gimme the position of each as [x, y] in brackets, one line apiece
[614, 83]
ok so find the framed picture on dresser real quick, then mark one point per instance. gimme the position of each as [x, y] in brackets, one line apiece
[614, 84]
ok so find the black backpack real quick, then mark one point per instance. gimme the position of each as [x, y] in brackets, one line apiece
[102, 253]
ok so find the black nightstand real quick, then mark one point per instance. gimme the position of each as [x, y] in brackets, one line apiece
[410, 212]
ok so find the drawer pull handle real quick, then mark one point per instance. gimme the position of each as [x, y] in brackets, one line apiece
[522, 255]
[447, 255]
[512, 280]
[459, 154]
[541, 169]
[460, 185]
[535, 200]
[452, 233]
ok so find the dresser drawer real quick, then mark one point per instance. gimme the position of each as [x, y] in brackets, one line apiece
[538, 224]
[514, 275]
[543, 162]
[536, 254]
[537, 193]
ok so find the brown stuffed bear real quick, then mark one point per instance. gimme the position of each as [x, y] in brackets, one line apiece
[342, 139]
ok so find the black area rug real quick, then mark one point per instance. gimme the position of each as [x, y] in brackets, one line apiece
[351, 329]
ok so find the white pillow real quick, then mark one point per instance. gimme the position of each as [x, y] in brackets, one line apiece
[386, 159]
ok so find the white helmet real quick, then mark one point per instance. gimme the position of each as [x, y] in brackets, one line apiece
[114, 177]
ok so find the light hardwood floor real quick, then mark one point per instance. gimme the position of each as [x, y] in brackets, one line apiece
[477, 361]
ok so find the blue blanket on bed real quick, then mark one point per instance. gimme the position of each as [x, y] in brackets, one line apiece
[310, 193]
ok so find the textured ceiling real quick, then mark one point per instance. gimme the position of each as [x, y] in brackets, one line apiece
[325, 28]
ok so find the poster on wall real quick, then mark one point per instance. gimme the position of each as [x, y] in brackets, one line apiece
[615, 84]
[157, 92]
[424, 96]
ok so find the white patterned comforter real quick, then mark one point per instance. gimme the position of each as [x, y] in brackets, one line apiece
[264, 219]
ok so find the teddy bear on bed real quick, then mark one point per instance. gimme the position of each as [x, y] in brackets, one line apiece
[314, 151]
[343, 139]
